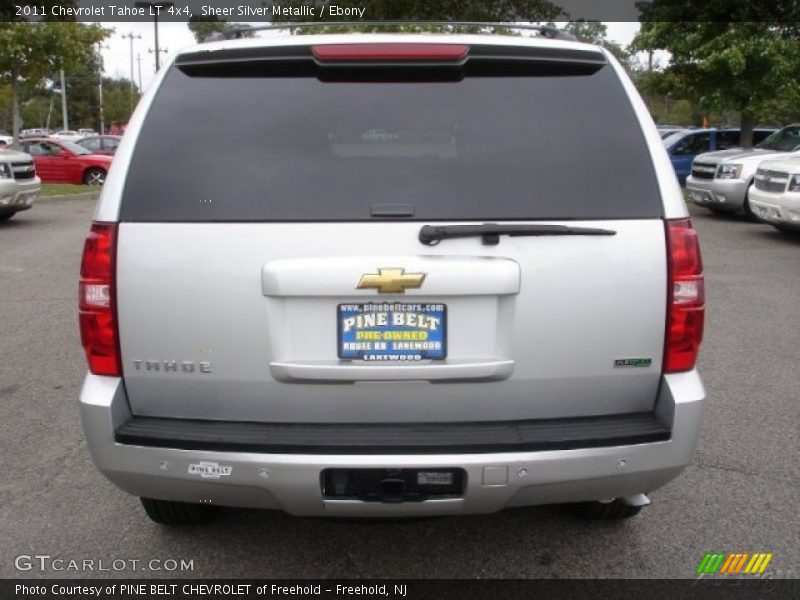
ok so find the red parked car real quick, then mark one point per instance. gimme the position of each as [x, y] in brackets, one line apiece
[65, 162]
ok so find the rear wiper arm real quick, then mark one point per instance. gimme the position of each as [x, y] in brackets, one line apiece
[430, 235]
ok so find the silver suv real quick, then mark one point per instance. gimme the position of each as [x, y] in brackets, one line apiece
[722, 181]
[480, 309]
[19, 185]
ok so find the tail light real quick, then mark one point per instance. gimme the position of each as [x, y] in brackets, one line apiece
[685, 297]
[379, 52]
[97, 305]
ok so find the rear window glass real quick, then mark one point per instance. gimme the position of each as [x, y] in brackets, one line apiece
[761, 135]
[728, 139]
[690, 145]
[299, 149]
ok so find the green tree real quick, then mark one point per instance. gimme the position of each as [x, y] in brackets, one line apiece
[202, 27]
[117, 100]
[83, 99]
[5, 108]
[33, 51]
[596, 32]
[36, 109]
[591, 32]
[746, 66]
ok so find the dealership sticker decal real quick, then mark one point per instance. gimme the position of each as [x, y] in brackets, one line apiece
[392, 331]
[632, 362]
[210, 470]
[434, 478]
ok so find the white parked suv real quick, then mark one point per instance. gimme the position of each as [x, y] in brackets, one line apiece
[37, 132]
[19, 185]
[67, 136]
[721, 181]
[775, 196]
[502, 307]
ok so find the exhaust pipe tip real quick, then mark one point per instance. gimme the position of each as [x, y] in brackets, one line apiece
[637, 500]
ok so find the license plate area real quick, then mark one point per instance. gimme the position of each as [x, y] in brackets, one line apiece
[26, 198]
[398, 332]
[393, 485]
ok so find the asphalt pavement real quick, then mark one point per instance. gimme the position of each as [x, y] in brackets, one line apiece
[738, 496]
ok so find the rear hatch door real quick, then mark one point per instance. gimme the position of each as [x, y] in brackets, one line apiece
[271, 266]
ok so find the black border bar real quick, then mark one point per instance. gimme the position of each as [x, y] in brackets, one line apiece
[319, 10]
[705, 588]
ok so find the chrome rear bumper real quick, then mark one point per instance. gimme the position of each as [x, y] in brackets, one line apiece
[291, 482]
[719, 194]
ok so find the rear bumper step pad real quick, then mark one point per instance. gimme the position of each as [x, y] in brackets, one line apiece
[394, 438]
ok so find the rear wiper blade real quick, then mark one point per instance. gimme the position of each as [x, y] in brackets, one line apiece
[430, 235]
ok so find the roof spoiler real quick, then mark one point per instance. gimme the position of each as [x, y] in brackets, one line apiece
[545, 31]
[368, 61]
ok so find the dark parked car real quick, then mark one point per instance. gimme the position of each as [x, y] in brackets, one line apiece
[100, 144]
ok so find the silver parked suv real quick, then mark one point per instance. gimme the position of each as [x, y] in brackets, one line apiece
[480, 309]
[19, 185]
[721, 181]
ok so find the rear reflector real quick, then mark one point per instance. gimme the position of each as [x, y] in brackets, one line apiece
[399, 52]
[685, 297]
[96, 303]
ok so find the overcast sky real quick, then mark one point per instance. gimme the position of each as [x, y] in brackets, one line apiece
[175, 36]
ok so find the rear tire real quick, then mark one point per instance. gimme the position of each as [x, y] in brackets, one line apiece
[94, 176]
[608, 511]
[167, 512]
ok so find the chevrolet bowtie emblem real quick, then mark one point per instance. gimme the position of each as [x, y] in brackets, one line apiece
[391, 281]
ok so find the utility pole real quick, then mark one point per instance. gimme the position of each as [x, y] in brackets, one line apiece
[49, 112]
[139, 65]
[155, 26]
[64, 118]
[100, 95]
[155, 9]
[131, 37]
[157, 52]
[100, 48]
